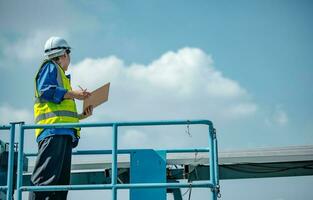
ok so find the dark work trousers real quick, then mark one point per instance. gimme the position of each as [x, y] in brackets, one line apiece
[53, 166]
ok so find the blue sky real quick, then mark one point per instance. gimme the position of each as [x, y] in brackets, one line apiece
[245, 65]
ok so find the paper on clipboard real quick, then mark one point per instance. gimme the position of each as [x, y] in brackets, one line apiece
[97, 97]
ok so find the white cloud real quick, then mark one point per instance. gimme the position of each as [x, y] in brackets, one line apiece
[178, 85]
[11, 114]
[278, 117]
[281, 117]
[134, 138]
[182, 84]
[243, 109]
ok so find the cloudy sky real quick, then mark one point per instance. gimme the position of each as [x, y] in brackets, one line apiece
[245, 65]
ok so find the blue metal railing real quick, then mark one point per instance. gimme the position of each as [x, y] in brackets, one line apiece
[213, 183]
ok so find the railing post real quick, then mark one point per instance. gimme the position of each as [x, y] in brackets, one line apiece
[20, 162]
[216, 166]
[11, 163]
[114, 162]
[212, 162]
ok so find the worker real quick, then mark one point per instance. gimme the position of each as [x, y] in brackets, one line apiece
[55, 103]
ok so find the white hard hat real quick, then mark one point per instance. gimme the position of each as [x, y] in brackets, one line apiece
[55, 46]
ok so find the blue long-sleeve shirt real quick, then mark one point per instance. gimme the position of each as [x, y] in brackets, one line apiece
[49, 89]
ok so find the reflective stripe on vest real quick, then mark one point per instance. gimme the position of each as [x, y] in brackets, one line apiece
[64, 113]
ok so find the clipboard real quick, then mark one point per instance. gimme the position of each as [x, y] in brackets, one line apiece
[97, 96]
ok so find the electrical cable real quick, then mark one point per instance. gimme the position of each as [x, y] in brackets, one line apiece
[278, 169]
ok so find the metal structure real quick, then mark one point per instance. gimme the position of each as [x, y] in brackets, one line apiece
[213, 169]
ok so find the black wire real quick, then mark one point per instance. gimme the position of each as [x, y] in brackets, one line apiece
[186, 192]
[270, 169]
[190, 193]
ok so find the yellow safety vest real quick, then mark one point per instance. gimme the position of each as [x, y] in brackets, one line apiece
[46, 112]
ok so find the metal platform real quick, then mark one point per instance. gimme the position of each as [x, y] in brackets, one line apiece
[256, 163]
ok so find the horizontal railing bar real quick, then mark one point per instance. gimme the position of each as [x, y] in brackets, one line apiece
[117, 186]
[67, 187]
[3, 188]
[30, 154]
[128, 151]
[68, 125]
[148, 123]
[156, 123]
[4, 127]
[164, 185]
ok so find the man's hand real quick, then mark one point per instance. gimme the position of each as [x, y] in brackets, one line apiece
[87, 113]
[77, 94]
[81, 94]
